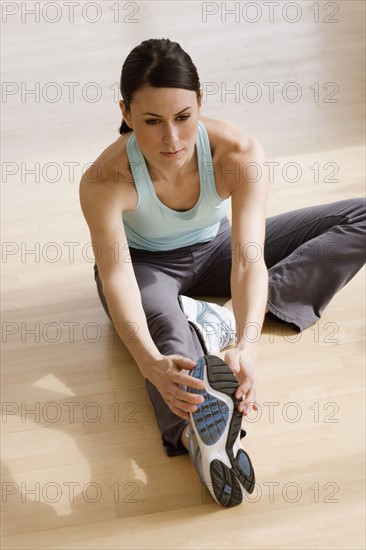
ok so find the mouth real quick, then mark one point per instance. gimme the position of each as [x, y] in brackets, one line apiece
[173, 153]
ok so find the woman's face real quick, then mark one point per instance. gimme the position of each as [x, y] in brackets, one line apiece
[165, 123]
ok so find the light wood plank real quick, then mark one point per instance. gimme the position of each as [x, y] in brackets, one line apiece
[318, 374]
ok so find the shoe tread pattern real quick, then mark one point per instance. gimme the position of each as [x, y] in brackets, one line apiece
[212, 415]
[222, 379]
[225, 484]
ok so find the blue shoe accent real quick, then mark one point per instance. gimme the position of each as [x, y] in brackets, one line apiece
[227, 489]
[212, 415]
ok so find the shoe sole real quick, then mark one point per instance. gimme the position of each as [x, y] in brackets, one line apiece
[227, 468]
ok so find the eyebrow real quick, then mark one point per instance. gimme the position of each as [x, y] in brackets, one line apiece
[160, 116]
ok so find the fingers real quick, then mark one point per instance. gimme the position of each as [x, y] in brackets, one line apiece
[248, 402]
[246, 408]
[190, 398]
[173, 386]
[183, 399]
[181, 408]
[245, 387]
[184, 379]
[183, 362]
[188, 380]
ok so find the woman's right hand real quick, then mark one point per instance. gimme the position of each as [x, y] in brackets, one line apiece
[169, 377]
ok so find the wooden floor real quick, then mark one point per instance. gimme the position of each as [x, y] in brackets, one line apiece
[82, 462]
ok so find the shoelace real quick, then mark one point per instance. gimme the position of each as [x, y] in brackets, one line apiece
[226, 335]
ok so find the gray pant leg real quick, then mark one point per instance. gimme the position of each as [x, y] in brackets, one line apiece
[311, 254]
[170, 331]
[172, 335]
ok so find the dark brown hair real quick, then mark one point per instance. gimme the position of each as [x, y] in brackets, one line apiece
[159, 63]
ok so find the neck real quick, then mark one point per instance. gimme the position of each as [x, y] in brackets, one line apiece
[174, 173]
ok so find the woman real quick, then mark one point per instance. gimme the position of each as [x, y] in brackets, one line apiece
[157, 217]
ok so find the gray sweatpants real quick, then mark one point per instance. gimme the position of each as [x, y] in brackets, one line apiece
[310, 253]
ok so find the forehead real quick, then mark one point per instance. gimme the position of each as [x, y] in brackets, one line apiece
[163, 100]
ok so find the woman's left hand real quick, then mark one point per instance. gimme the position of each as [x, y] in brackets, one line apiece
[242, 363]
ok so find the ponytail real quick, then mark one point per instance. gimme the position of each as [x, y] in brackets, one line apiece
[124, 129]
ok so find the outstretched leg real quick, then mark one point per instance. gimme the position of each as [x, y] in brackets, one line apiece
[171, 333]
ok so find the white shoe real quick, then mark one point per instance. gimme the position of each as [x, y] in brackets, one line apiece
[215, 323]
[215, 434]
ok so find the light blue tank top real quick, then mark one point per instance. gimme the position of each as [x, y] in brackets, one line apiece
[154, 226]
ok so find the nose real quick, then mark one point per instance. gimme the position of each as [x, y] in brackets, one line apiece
[170, 134]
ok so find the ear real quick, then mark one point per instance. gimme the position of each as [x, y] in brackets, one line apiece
[125, 114]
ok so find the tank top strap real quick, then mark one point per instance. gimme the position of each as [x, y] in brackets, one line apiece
[206, 166]
[137, 165]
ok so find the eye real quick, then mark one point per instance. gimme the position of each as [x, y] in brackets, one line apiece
[183, 117]
[152, 121]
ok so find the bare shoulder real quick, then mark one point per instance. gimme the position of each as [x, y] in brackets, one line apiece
[231, 150]
[109, 177]
[111, 160]
[226, 138]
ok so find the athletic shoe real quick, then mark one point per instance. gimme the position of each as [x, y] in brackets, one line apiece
[215, 448]
[215, 323]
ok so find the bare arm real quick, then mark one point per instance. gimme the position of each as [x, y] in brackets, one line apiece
[102, 206]
[249, 276]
